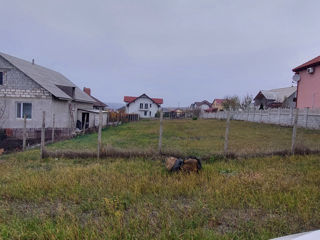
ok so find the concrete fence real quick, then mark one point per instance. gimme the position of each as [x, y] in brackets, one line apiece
[307, 118]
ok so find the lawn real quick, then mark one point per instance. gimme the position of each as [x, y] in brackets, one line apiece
[257, 198]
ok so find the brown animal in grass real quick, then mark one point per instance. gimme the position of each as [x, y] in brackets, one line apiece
[174, 164]
[191, 165]
[1, 151]
[170, 163]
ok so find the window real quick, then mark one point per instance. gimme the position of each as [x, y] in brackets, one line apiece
[24, 109]
[1, 78]
[146, 105]
[150, 105]
[141, 105]
[150, 113]
[145, 113]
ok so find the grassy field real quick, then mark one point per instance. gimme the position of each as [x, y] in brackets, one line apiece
[198, 137]
[256, 198]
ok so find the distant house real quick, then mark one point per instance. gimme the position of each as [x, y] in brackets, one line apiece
[276, 98]
[217, 104]
[308, 77]
[204, 105]
[175, 112]
[97, 103]
[143, 105]
[27, 89]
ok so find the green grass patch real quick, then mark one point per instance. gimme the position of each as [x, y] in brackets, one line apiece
[114, 198]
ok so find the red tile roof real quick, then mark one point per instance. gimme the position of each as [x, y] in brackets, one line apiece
[219, 101]
[129, 99]
[311, 63]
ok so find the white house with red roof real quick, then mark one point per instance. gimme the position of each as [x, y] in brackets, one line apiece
[143, 105]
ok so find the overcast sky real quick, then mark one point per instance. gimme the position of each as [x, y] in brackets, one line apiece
[180, 50]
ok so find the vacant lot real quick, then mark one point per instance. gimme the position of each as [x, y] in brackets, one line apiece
[137, 198]
[198, 137]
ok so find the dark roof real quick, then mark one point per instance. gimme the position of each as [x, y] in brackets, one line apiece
[204, 102]
[129, 99]
[311, 63]
[48, 79]
[98, 103]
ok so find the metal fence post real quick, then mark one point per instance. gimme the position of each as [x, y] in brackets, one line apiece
[43, 129]
[24, 134]
[99, 134]
[53, 126]
[294, 131]
[160, 131]
[226, 136]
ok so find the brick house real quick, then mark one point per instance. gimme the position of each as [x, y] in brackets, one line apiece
[27, 89]
[217, 104]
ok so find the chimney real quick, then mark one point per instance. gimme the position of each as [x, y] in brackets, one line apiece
[87, 91]
[32, 61]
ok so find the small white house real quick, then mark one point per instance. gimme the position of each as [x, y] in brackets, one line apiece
[143, 105]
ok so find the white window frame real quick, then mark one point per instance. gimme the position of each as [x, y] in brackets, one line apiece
[21, 110]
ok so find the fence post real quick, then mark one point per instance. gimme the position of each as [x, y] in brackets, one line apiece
[226, 136]
[307, 116]
[84, 124]
[160, 132]
[294, 131]
[24, 134]
[291, 116]
[261, 115]
[99, 134]
[43, 129]
[53, 126]
[279, 116]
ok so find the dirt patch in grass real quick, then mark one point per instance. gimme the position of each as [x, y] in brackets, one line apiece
[231, 220]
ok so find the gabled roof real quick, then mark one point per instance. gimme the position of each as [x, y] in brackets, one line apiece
[311, 63]
[278, 94]
[47, 78]
[97, 102]
[129, 99]
[218, 100]
[204, 102]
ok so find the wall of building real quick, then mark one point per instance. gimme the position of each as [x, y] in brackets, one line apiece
[134, 107]
[309, 89]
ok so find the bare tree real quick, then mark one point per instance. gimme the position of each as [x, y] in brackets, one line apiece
[196, 112]
[246, 101]
[231, 103]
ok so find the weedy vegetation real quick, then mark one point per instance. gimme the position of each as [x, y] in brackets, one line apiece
[136, 198]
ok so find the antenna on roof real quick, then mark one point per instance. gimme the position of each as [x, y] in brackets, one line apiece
[32, 61]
